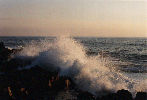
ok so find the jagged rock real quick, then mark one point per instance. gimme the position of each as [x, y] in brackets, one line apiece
[37, 83]
[4, 53]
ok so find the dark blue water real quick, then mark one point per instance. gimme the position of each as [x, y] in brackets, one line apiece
[130, 54]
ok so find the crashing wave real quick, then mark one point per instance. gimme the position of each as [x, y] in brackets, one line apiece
[90, 73]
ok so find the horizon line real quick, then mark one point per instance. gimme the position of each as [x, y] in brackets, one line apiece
[77, 36]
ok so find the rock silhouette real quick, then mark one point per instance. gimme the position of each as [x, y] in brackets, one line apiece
[40, 84]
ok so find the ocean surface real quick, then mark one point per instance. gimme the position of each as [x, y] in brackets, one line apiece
[128, 55]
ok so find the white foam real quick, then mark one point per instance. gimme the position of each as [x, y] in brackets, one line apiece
[90, 73]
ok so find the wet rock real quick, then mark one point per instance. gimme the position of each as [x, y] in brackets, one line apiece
[37, 83]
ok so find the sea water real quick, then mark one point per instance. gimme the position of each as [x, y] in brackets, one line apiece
[95, 64]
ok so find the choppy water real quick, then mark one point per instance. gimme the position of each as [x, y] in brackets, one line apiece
[127, 55]
[127, 52]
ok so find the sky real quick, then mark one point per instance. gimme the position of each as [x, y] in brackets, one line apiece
[101, 18]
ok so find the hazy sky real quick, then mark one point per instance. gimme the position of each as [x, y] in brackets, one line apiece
[103, 18]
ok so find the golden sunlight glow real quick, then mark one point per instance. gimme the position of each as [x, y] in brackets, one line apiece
[113, 18]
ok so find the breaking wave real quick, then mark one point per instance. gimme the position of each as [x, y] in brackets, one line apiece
[90, 73]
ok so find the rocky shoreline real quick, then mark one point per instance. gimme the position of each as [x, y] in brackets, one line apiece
[40, 84]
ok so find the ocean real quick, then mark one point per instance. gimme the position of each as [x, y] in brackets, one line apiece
[127, 56]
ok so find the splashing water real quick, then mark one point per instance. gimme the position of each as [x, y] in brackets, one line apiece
[89, 73]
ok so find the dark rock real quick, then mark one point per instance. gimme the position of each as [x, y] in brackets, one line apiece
[36, 83]
[4, 53]
[85, 96]
[124, 95]
[141, 96]
[120, 95]
[111, 96]
[2, 45]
